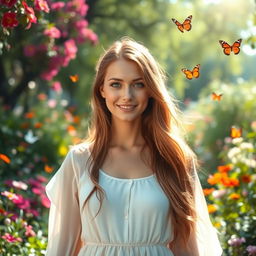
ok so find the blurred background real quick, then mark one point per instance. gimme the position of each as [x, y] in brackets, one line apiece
[47, 66]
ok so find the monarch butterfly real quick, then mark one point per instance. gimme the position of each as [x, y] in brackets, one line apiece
[235, 47]
[215, 96]
[186, 25]
[191, 74]
[74, 78]
[235, 132]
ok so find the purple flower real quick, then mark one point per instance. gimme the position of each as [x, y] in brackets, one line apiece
[251, 249]
[236, 241]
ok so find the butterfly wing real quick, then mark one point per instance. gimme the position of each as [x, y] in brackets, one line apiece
[226, 47]
[188, 73]
[179, 25]
[235, 132]
[215, 96]
[195, 71]
[187, 23]
[236, 46]
[74, 78]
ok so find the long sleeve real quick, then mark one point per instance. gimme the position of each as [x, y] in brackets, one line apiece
[64, 226]
[204, 242]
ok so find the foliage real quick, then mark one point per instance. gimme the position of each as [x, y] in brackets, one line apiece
[44, 48]
[212, 120]
[232, 195]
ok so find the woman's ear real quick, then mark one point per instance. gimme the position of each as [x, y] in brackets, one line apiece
[102, 92]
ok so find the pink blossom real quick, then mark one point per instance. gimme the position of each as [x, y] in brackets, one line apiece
[57, 5]
[219, 193]
[86, 33]
[29, 50]
[21, 202]
[33, 212]
[20, 185]
[81, 23]
[236, 241]
[41, 5]
[70, 48]
[30, 14]
[29, 231]
[251, 249]
[9, 195]
[49, 74]
[37, 191]
[52, 103]
[41, 178]
[77, 6]
[52, 32]
[56, 86]
[45, 201]
[11, 239]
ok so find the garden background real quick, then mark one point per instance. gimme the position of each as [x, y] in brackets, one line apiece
[48, 52]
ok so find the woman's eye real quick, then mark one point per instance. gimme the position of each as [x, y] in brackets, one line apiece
[115, 85]
[139, 85]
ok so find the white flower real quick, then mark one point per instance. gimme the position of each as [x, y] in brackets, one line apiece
[233, 152]
[236, 141]
[246, 145]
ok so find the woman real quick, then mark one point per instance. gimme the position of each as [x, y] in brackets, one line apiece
[131, 187]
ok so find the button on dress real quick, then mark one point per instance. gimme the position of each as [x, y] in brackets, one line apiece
[133, 219]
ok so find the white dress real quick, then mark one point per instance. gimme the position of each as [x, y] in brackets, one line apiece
[133, 220]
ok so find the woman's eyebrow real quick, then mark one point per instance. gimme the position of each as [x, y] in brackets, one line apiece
[119, 79]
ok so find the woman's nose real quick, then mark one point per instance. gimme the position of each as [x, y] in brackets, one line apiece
[127, 92]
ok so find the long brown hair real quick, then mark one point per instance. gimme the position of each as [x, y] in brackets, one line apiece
[170, 156]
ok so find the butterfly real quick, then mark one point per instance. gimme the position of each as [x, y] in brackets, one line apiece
[191, 74]
[235, 132]
[216, 96]
[186, 25]
[74, 78]
[227, 49]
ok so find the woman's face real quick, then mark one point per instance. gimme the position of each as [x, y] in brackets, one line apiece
[124, 91]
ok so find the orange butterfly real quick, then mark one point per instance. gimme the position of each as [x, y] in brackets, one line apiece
[186, 25]
[215, 96]
[227, 49]
[191, 74]
[74, 78]
[235, 132]
[5, 158]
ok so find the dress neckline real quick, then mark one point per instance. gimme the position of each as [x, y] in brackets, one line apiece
[124, 179]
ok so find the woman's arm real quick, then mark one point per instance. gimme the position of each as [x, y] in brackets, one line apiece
[64, 227]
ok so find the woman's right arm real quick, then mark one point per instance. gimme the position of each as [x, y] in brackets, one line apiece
[64, 226]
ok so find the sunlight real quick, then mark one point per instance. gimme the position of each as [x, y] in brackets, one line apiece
[212, 1]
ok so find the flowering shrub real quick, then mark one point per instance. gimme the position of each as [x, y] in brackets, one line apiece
[232, 195]
[48, 35]
[22, 208]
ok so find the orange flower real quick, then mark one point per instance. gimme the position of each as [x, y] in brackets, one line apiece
[38, 125]
[48, 168]
[211, 208]
[76, 119]
[208, 191]
[224, 168]
[234, 196]
[29, 115]
[5, 158]
[71, 130]
[246, 178]
[216, 178]
[42, 96]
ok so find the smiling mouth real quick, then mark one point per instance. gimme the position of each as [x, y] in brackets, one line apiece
[127, 107]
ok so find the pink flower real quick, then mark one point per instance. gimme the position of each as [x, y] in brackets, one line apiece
[70, 48]
[41, 178]
[77, 6]
[251, 249]
[52, 103]
[33, 212]
[56, 86]
[86, 33]
[9, 20]
[29, 50]
[45, 201]
[37, 191]
[49, 74]
[31, 17]
[9, 195]
[29, 231]
[21, 202]
[8, 3]
[41, 5]
[236, 241]
[52, 32]
[11, 239]
[57, 5]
